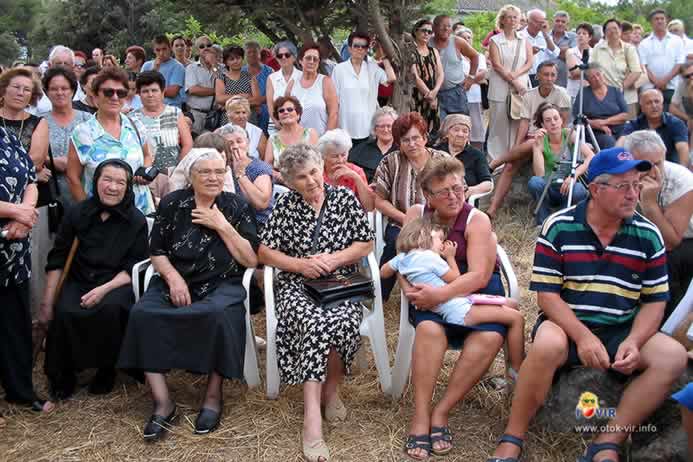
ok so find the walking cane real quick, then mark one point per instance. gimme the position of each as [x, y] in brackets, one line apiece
[40, 330]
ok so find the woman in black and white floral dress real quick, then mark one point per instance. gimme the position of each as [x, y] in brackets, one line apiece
[315, 344]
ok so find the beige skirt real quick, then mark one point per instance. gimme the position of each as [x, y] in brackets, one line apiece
[501, 130]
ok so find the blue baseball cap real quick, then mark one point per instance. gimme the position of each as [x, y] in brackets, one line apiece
[614, 161]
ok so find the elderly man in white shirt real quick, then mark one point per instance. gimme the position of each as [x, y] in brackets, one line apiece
[538, 35]
[662, 54]
[59, 56]
[356, 81]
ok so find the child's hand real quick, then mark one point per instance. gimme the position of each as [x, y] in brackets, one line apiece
[449, 249]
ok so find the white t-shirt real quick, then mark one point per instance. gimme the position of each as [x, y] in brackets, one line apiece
[660, 56]
[357, 95]
[474, 93]
[545, 54]
[279, 86]
[573, 86]
[678, 180]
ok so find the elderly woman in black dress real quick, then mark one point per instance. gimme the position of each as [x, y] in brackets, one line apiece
[192, 316]
[90, 314]
[315, 344]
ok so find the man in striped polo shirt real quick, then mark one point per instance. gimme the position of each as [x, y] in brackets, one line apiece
[601, 280]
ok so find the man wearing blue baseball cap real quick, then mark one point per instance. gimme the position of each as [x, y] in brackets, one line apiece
[600, 275]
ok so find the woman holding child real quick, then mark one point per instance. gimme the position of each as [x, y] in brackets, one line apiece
[443, 187]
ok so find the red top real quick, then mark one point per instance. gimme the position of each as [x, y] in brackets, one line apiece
[348, 182]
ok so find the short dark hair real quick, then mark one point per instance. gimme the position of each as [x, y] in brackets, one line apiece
[626, 26]
[657, 11]
[358, 34]
[307, 47]
[438, 19]
[109, 73]
[149, 77]
[419, 23]
[587, 27]
[610, 20]
[458, 24]
[88, 72]
[282, 100]
[543, 64]
[54, 72]
[161, 40]
[177, 37]
[233, 50]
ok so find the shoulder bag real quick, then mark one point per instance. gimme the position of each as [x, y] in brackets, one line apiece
[514, 99]
[336, 289]
[49, 196]
[213, 117]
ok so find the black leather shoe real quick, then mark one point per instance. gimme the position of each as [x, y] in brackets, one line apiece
[157, 426]
[207, 421]
[103, 382]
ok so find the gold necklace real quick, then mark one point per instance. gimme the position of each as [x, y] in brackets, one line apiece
[21, 128]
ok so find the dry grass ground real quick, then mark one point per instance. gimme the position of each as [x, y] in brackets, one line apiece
[254, 428]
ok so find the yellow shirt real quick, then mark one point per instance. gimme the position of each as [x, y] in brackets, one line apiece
[616, 65]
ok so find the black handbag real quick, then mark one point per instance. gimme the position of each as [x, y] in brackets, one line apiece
[49, 196]
[213, 117]
[336, 289]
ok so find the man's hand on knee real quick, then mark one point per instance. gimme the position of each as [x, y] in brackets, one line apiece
[627, 357]
[592, 352]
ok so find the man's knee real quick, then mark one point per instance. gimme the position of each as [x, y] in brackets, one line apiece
[550, 345]
[664, 354]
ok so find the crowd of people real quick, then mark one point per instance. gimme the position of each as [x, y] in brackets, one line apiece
[210, 161]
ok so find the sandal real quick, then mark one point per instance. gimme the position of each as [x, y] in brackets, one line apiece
[595, 448]
[512, 440]
[335, 411]
[317, 451]
[418, 442]
[441, 434]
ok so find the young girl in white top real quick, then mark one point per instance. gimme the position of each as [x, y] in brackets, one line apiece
[421, 244]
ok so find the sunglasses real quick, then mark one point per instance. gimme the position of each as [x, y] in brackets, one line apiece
[109, 92]
[284, 55]
[362, 46]
[426, 31]
[688, 76]
[285, 109]
[80, 65]
[202, 46]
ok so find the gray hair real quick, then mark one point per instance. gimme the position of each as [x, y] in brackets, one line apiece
[597, 32]
[383, 111]
[251, 44]
[336, 140]
[231, 129]
[535, 11]
[464, 30]
[285, 44]
[603, 178]
[561, 14]
[60, 49]
[644, 141]
[298, 156]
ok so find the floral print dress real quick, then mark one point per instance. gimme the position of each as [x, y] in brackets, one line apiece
[305, 331]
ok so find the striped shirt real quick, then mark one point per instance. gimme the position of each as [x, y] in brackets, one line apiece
[603, 285]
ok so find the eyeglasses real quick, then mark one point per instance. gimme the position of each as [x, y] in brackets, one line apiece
[284, 55]
[311, 59]
[120, 92]
[624, 187]
[445, 192]
[202, 46]
[411, 140]
[208, 172]
[360, 46]
[426, 31]
[282, 110]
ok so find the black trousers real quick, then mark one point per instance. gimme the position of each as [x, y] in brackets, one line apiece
[15, 344]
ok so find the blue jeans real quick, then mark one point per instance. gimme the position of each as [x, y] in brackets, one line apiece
[452, 101]
[553, 197]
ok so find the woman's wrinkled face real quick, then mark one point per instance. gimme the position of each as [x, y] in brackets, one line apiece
[112, 185]
[383, 128]
[458, 135]
[111, 96]
[552, 121]
[236, 142]
[446, 195]
[413, 142]
[308, 180]
[287, 113]
[18, 93]
[595, 78]
[285, 58]
[152, 96]
[334, 159]
[207, 177]
[59, 91]
[311, 60]
[238, 116]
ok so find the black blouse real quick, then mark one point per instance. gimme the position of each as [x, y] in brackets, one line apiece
[367, 155]
[198, 253]
[105, 247]
[22, 129]
[475, 164]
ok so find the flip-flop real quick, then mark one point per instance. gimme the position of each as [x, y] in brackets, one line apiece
[441, 434]
[418, 442]
[315, 451]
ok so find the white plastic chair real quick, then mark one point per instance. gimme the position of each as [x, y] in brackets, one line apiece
[379, 224]
[474, 199]
[372, 326]
[405, 343]
[677, 316]
[251, 371]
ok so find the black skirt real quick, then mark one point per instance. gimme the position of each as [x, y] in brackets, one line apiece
[81, 338]
[206, 336]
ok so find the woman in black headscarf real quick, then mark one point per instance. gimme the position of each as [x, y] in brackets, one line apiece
[88, 319]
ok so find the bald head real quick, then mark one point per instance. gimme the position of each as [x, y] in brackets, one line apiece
[535, 20]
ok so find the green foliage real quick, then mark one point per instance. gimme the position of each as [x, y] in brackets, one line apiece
[9, 49]
[480, 24]
[436, 7]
